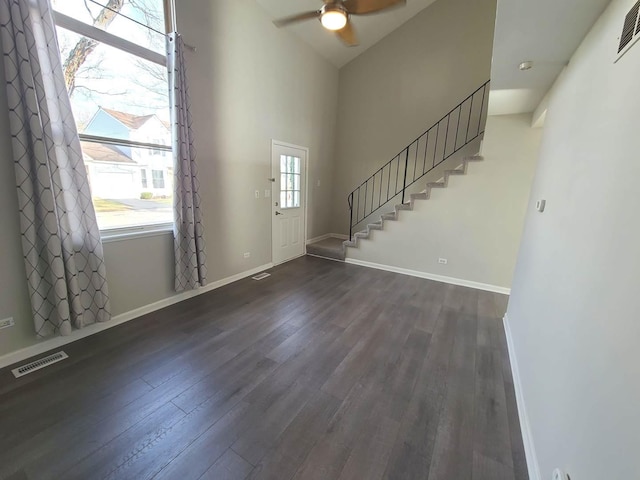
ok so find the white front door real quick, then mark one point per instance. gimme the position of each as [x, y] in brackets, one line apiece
[288, 170]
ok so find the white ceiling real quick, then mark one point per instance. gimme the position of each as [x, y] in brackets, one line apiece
[370, 28]
[544, 31]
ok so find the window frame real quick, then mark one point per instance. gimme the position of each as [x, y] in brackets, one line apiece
[102, 36]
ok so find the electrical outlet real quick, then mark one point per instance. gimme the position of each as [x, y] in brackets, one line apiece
[7, 322]
[442, 261]
[257, 193]
[247, 254]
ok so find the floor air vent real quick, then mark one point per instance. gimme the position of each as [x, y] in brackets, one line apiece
[38, 364]
[261, 276]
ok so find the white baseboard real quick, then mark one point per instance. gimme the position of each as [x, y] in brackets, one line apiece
[328, 235]
[431, 276]
[525, 426]
[57, 342]
[318, 239]
[339, 235]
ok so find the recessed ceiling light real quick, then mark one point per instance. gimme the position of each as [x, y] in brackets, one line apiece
[528, 65]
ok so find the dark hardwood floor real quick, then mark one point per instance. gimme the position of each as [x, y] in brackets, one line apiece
[322, 371]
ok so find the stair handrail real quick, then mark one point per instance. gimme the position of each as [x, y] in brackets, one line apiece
[478, 117]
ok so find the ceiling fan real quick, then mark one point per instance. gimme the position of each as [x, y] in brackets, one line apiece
[335, 15]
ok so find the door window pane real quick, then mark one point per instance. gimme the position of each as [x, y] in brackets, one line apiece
[290, 176]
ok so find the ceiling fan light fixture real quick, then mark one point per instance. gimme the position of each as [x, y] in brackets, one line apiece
[333, 19]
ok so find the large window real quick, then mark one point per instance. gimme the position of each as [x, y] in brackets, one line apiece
[113, 58]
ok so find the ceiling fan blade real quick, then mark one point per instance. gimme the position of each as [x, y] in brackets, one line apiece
[348, 35]
[300, 17]
[363, 7]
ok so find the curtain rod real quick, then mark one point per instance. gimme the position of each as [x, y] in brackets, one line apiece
[190, 47]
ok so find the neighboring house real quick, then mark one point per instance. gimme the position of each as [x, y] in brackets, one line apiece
[124, 172]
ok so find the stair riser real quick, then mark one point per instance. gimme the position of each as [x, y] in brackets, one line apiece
[461, 170]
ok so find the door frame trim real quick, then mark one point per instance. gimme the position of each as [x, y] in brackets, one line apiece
[280, 143]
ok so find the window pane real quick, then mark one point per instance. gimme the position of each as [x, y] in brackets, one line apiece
[117, 176]
[118, 95]
[283, 199]
[158, 178]
[283, 163]
[296, 165]
[289, 199]
[146, 12]
[296, 182]
[296, 199]
[283, 182]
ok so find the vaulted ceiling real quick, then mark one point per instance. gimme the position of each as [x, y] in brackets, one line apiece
[546, 32]
[370, 28]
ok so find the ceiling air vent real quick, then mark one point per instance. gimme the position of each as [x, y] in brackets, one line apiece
[630, 30]
[38, 364]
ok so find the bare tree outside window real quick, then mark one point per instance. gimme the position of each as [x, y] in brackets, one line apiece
[120, 100]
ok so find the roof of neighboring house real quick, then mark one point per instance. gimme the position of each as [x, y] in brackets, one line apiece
[129, 120]
[99, 152]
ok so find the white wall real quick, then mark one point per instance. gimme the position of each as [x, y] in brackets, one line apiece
[250, 82]
[404, 84]
[476, 222]
[574, 311]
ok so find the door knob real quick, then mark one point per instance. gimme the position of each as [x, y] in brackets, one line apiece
[278, 213]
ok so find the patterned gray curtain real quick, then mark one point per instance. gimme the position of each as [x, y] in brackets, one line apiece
[60, 236]
[190, 256]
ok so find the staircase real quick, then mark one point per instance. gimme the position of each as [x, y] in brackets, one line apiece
[444, 145]
[423, 195]
[443, 150]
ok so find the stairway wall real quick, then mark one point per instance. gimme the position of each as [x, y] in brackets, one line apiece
[404, 84]
[574, 310]
[476, 222]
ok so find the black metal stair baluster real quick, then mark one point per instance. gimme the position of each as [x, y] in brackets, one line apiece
[373, 190]
[380, 192]
[455, 145]
[406, 165]
[435, 149]
[466, 137]
[388, 182]
[366, 192]
[426, 148]
[358, 210]
[351, 216]
[397, 173]
[446, 140]
[481, 110]
[415, 160]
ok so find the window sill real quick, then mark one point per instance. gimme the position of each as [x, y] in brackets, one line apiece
[118, 235]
